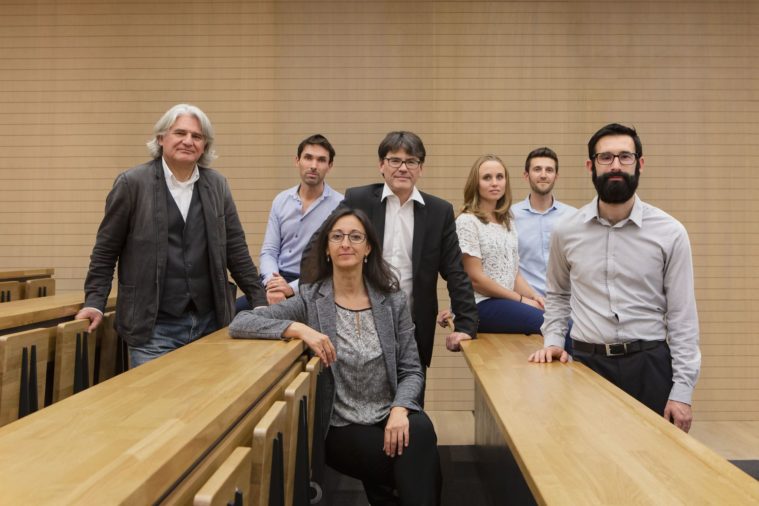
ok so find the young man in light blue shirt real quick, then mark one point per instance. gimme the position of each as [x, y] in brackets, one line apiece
[296, 214]
[537, 215]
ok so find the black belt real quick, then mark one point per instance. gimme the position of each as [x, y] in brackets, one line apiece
[615, 350]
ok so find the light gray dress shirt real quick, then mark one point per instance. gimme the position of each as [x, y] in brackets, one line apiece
[624, 282]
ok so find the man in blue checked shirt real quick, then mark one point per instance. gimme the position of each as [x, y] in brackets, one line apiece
[295, 215]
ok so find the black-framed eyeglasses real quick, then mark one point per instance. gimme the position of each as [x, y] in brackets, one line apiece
[606, 158]
[355, 237]
[411, 163]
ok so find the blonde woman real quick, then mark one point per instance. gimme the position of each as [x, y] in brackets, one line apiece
[488, 240]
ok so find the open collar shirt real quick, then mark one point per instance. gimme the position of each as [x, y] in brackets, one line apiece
[399, 237]
[289, 229]
[534, 231]
[624, 282]
[181, 191]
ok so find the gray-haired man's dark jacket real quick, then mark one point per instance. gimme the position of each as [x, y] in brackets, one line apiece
[134, 232]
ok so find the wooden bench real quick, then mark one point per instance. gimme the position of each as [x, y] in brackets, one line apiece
[43, 312]
[10, 291]
[26, 274]
[147, 436]
[43, 287]
[14, 361]
[230, 484]
[74, 359]
[296, 444]
[578, 439]
[268, 479]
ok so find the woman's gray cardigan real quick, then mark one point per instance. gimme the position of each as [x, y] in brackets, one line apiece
[315, 307]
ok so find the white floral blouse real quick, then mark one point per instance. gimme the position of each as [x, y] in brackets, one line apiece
[494, 244]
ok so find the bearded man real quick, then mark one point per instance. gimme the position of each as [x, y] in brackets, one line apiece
[622, 270]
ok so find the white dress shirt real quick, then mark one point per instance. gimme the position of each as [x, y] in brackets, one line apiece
[180, 190]
[399, 237]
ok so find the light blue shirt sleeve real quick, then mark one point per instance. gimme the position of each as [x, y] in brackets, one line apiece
[288, 230]
[270, 248]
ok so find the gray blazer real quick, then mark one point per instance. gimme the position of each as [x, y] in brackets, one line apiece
[315, 307]
[134, 232]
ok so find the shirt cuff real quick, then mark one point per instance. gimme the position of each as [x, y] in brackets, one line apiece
[94, 309]
[553, 341]
[681, 393]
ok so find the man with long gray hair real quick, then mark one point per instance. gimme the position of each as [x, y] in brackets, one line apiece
[173, 228]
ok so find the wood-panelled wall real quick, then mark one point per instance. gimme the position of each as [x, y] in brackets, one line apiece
[82, 82]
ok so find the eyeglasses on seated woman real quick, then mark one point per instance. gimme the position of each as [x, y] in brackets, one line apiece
[356, 320]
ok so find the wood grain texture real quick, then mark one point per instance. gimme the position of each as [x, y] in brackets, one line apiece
[130, 439]
[565, 420]
[44, 309]
[82, 83]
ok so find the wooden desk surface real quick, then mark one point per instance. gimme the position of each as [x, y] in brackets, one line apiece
[30, 311]
[24, 274]
[123, 441]
[578, 439]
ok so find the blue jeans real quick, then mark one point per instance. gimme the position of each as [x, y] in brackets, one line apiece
[172, 332]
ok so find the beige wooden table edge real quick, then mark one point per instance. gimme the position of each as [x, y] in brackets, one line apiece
[708, 457]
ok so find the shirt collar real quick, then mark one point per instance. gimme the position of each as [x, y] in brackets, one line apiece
[527, 205]
[326, 192]
[590, 212]
[172, 180]
[415, 194]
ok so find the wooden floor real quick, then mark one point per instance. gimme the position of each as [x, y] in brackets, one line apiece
[732, 440]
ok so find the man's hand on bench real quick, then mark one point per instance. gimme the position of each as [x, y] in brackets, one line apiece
[549, 353]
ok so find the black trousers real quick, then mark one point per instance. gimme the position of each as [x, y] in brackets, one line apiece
[646, 375]
[356, 450]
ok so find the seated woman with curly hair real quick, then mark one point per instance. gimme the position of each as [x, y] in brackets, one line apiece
[356, 320]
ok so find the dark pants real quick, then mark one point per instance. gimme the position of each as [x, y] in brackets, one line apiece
[242, 304]
[505, 316]
[356, 450]
[646, 375]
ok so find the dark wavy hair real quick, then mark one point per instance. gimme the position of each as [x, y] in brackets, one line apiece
[377, 272]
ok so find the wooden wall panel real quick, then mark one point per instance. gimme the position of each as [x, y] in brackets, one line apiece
[82, 82]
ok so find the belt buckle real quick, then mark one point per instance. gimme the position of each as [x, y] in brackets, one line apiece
[611, 349]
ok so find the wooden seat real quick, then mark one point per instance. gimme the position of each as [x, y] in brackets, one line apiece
[267, 484]
[23, 373]
[314, 368]
[74, 359]
[315, 443]
[10, 291]
[111, 350]
[230, 484]
[297, 452]
[43, 287]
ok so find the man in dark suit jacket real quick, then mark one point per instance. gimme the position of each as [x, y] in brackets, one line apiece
[173, 227]
[419, 239]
